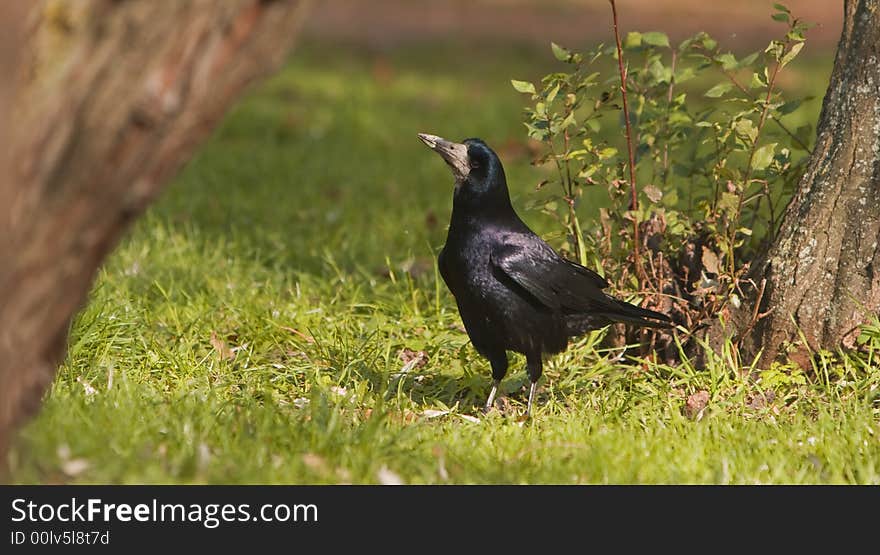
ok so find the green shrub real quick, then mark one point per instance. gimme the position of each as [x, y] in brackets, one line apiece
[714, 162]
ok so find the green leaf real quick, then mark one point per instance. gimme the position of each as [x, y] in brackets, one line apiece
[552, 94]
[780, 17]
[560, 53]
[782, 8]
[775, 49]
[655, 38]
[728, 202]
[727, 60]
[633, 39]
[790, 55]
[804, 133]
[745, 128]
[763, 156]
[709, 43]
[523, 86]
[659, 72]
[748, 60]
[576, 154]
[590, 78]
[719, 89]
[757, 81]
[790, 106]
[683, 74]
[607, 152]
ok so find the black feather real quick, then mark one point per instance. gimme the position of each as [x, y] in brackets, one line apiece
[513, 291]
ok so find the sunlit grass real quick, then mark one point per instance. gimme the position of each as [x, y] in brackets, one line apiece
[250, 328]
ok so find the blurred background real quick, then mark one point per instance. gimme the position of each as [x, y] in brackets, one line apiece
[367, 76]
[741, 24]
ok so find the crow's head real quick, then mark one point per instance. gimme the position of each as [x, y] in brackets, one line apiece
[477, 169]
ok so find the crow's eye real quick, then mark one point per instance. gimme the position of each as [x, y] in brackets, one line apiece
[474, 164]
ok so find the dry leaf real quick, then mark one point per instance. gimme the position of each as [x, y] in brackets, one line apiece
[711, 262]
[411, 359]
[308, 338]
[87, 387]
[315, 462]
[221, 347]
[388, 478]
[653, 193]
[696, 404]
[74, 467]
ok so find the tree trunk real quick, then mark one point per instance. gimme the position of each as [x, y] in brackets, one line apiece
[111, 98]
[823, 271]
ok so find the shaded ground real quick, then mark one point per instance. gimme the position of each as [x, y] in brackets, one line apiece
[742, 24]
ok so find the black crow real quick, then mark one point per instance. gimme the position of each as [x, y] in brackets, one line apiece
[514, 292]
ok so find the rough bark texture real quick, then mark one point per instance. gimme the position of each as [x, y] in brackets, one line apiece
[111, 98]
[823, 270]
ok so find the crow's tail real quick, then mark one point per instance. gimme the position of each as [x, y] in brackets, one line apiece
[621, 311]
[615, 311]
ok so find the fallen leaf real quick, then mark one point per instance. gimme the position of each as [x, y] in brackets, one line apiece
[432, 413]
[388, 478]
[653, 193]
[314, 462]
[75, 467]
[411, 359]
[711, 262]
[760, 400]
[87, 387]
[308, 338]
[696, 404]
[408, 355]
[221, 347]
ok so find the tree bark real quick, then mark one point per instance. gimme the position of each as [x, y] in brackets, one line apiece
[823, 270]
[111, 98]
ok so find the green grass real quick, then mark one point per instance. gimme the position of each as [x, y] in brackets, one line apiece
[302, 239]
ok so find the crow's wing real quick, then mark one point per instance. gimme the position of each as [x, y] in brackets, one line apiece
[555, 282]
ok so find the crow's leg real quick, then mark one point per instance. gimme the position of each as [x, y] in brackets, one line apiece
[535, 368]
[499, 370]
[491, 400]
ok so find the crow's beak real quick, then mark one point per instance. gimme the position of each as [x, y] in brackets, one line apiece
[455, 154]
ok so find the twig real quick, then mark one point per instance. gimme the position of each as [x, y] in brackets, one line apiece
[748, 174]
[634, 201]
[756, 314]
[779, 123]
[666, 121]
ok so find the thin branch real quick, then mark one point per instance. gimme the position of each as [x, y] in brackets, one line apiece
[748, 171]
[782, 126]
[669, 93]
[634, 201]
